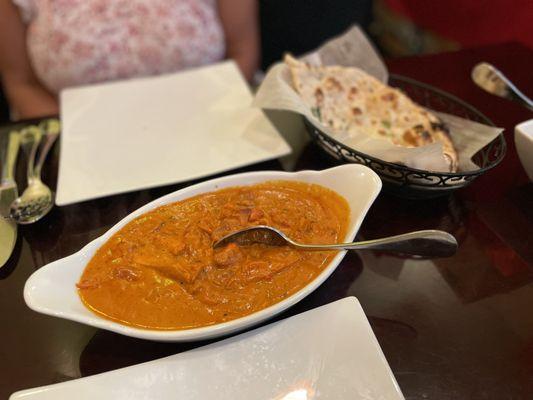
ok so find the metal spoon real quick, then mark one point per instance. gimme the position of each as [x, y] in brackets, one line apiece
[428, 243]
[37, 200]
[492, 80]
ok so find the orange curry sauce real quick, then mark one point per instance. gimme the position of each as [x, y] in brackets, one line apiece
[161, 272]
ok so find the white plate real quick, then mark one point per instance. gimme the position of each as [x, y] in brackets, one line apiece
[326, 353]
[123, 136]
[52, 289]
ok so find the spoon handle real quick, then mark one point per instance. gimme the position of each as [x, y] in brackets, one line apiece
[30, 138]
[9, 157]
[51, 129]
[513, 92]
[428, 243]
[517, 95]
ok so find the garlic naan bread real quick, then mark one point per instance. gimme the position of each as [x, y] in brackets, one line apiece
[349, 100]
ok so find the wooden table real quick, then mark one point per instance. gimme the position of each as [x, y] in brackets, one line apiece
[457, 328]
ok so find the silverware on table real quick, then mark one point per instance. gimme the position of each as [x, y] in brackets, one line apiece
[492, 80]
[35, 201]
[428, 243]
[8, 193]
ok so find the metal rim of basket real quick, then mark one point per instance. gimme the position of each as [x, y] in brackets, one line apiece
[443, 176]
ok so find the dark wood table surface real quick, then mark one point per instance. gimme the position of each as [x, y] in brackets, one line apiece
[457, 328]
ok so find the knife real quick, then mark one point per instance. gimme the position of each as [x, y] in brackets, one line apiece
[8, 193]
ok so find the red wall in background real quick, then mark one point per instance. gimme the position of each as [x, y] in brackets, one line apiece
[471, 22]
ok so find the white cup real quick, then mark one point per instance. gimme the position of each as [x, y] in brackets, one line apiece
[523, 138]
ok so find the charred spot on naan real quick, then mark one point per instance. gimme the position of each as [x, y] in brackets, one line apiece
[319, 96]
[352, 93]
[410, 137]
[333, 84]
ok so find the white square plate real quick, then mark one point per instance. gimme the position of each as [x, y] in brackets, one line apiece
[326, 353]
[129, 135]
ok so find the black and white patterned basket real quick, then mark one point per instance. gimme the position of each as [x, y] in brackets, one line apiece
[411, 182]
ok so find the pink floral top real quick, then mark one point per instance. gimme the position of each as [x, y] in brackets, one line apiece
[75, 42]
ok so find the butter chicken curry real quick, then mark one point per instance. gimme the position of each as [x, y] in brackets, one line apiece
[160, 270]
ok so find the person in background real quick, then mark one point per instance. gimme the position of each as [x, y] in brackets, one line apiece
[49, 45]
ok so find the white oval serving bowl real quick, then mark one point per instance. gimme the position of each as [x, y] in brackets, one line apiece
[52, 289]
